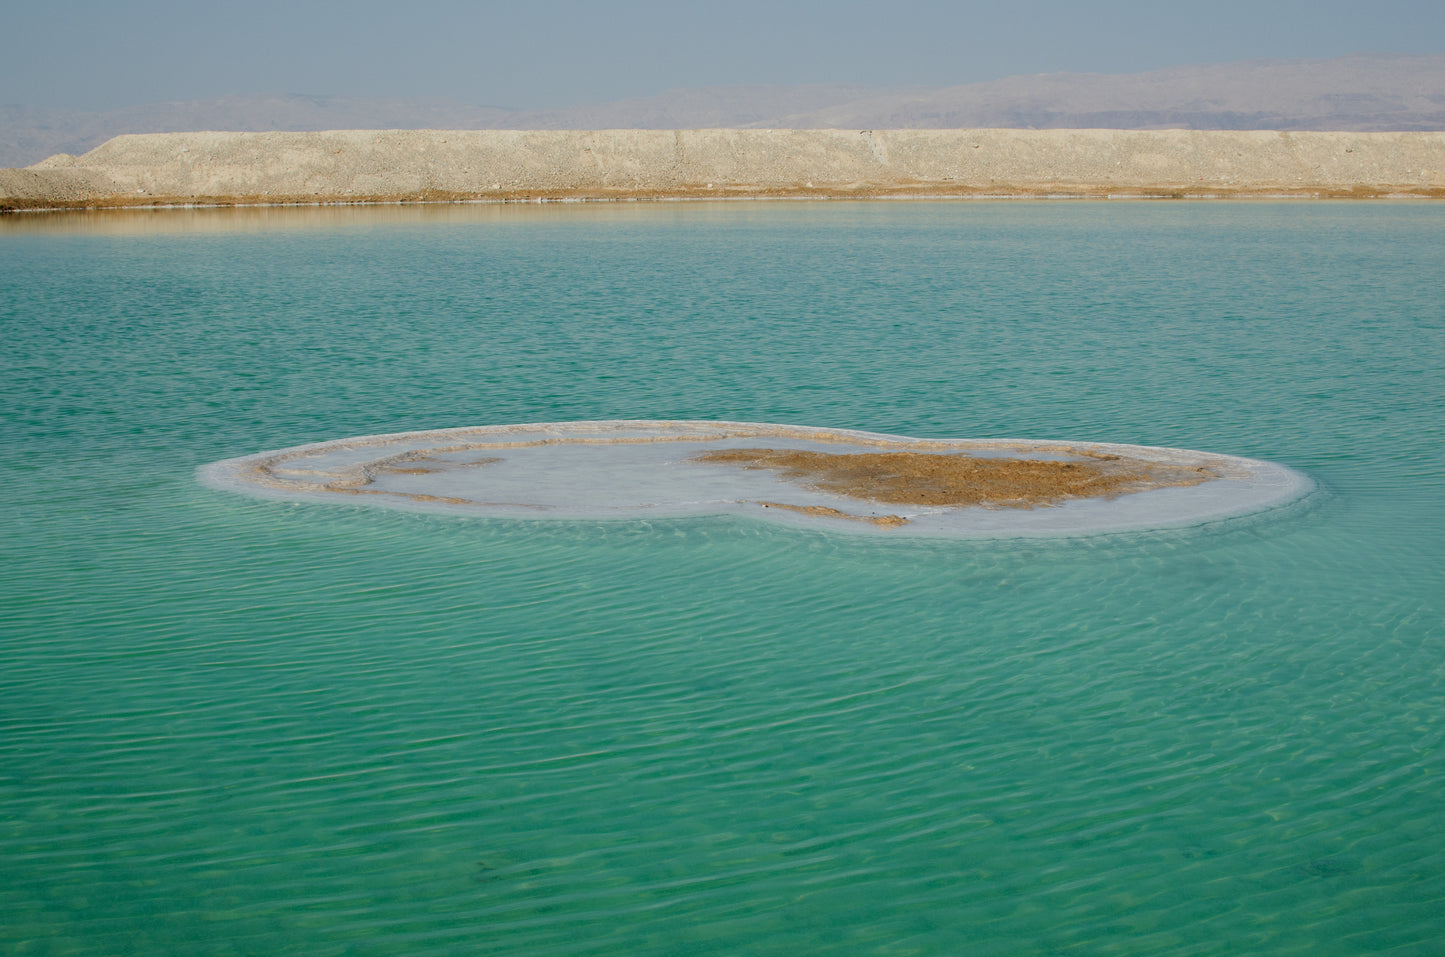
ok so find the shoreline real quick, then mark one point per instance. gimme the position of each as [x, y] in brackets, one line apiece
[9, 205]
[190, 170]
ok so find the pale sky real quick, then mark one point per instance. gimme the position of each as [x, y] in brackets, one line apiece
[103, 54]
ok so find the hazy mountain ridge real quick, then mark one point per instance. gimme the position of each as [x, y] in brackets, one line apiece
[1362, 93]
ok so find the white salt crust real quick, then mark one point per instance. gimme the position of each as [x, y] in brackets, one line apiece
[641, 469]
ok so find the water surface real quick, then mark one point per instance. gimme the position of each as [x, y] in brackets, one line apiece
[237, 726]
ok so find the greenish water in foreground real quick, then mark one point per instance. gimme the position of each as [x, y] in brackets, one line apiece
[239, 726]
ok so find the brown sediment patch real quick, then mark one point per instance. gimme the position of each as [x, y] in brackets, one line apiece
[407, 463]
[413, 462]
[412, 496]
[932, 479]
[823, 511]
[423, 497]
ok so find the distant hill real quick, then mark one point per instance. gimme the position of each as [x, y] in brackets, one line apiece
[1365, 92]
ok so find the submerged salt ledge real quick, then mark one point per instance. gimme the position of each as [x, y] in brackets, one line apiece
[637, 469]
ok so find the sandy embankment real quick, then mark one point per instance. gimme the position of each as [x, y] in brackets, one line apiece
[437, 165]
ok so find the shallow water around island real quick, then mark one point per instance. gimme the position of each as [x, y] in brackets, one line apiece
[231, 725]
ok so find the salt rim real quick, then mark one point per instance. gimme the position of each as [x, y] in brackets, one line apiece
[637, 469]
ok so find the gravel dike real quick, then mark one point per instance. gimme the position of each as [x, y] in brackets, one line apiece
[355, 166]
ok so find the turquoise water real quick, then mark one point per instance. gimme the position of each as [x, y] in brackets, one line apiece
[239, 726]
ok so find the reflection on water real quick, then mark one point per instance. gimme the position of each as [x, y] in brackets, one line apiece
[145, 221]
[164, 220]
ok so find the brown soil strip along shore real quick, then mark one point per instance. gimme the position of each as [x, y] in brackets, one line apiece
[928, 479]
[908, 191]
